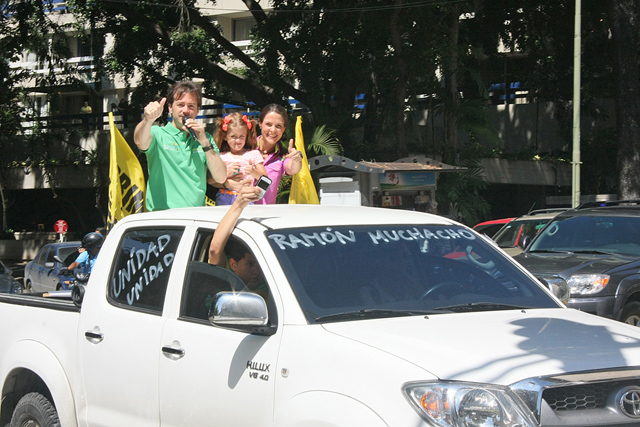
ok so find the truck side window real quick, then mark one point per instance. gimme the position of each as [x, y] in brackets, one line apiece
[142, 268]
[203, 282]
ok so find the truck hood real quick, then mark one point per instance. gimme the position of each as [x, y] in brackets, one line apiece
[568, 264]
[500, 347]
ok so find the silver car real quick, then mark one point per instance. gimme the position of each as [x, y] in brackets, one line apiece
[43, 273]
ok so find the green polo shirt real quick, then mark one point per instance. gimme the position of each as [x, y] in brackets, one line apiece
[177, 169]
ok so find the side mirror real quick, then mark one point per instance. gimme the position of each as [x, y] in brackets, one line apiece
[58, 259]
[240, 310]
[81, 276]
[77, 295]
[525, 241]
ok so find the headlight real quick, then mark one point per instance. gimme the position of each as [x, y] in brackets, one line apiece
[451, 404]
[16, 288]
[587, 284]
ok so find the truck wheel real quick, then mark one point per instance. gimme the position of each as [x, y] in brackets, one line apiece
[631, 314]
[34, 410]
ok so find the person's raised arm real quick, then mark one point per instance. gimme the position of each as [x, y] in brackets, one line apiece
[142, 133]
[246, 195]
[215, 164]
[295, 165]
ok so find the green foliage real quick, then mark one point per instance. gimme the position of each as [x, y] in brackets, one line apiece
[324, 53]
[324, 141]
[458, 194]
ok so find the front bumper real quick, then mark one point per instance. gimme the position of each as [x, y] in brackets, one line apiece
[602, 306]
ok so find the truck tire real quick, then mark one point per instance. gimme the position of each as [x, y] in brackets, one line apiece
[34, 410]
[631, 314]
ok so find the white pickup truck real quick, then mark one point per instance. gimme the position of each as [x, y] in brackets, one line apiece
[373, 317]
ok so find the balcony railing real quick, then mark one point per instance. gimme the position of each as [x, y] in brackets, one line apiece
[125, 119]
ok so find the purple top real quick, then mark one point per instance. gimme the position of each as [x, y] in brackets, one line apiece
[275, 164]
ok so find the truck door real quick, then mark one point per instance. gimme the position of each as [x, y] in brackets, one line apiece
[120, 329]
[211, 375]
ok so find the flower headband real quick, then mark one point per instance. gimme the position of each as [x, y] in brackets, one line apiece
[227, 120]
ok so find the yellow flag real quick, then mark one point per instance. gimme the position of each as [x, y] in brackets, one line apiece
[303, 190]
[126, 179]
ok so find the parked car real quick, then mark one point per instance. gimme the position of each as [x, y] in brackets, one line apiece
[514, 236]
[42, 274]
[596, 250]
[8, 284]
[490, 228]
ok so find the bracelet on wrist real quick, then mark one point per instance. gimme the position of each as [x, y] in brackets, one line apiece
[207, 148]
[224, 185]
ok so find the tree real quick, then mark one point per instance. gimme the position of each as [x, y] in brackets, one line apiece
[30, 28]
[624, 28]
[325, 53]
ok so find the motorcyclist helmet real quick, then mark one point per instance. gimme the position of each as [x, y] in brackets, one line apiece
[92, 241]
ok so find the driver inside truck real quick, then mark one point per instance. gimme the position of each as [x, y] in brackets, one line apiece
[235, 255]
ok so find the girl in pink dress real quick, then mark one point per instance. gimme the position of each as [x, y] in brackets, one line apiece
[236, 138]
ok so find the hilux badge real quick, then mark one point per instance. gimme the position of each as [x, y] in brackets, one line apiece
[630, 403]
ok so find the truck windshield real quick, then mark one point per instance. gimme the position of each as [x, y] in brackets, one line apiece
[348, 273]
[610, 234]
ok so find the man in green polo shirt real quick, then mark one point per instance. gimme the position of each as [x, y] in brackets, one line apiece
[178, 154]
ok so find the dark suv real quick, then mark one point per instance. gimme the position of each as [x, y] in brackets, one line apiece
[596, 250]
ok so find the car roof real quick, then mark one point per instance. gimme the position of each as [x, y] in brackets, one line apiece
[64, 244]
[542, 214]
[618, 207]
[293, 216]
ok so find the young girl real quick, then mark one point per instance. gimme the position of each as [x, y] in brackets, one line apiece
[236, 137]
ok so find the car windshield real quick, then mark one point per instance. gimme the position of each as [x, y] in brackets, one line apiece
[68, 254]
[515, 232]
[606, 234]
[347, 273]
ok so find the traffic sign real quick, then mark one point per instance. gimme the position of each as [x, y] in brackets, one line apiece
[61, 226]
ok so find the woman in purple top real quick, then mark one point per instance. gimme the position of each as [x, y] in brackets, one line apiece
[273, 122]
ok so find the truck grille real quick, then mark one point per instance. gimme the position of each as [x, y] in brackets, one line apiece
[588, 396]
[603, 398]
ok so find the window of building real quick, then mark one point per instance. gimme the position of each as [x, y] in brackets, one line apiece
[242, 28]
[84, 46]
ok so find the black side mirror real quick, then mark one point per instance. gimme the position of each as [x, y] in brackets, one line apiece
[77, 295]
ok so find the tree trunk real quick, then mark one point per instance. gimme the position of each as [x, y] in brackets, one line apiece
[400, 88]
[451, 88]
[624, 29]
[5, 207]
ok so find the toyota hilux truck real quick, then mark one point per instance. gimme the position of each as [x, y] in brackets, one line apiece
[368, 317]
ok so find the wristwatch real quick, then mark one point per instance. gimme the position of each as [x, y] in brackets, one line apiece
[207, 148]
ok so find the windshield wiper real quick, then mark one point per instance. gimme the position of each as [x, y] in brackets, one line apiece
[374, 314]
[480, 306]
[594, 251]
[549, 251]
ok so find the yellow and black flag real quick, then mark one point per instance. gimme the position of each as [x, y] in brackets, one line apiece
[303, 190]
[126, 179]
